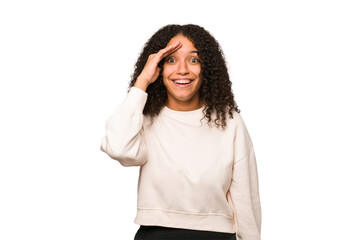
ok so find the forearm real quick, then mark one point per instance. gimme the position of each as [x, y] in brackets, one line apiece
[123, 140]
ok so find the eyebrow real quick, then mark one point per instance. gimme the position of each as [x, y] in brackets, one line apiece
[194, 51]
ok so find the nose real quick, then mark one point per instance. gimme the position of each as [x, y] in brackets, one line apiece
[182, 68]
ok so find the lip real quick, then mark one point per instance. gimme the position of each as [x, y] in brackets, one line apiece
[175, 79]
[182, 85]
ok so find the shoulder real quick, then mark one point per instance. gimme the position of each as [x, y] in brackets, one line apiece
[237, 120]
[242, 135]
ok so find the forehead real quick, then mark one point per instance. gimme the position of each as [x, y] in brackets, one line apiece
[187, 45]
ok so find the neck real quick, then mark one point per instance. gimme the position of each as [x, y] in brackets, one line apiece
[184, 106]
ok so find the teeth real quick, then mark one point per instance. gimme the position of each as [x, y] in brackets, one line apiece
[182, 81]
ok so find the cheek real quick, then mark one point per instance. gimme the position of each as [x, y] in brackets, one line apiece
[197, 71]
[166, 72]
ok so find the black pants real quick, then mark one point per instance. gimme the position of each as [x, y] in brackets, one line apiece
[167, 233]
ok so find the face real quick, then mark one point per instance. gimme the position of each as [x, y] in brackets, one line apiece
[181, 76]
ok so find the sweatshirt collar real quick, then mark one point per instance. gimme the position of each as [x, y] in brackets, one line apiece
[175, 112]
[192, 117]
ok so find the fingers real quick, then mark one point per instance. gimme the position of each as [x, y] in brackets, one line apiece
[151, 68]
[169, 49]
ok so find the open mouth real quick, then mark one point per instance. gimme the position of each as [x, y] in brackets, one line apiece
[182, 83]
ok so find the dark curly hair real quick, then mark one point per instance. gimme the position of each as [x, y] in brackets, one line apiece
[215, 90]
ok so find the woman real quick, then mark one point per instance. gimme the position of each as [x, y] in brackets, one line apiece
[196, 180]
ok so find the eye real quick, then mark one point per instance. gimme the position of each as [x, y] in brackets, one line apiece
[194, 60]
[170, 60]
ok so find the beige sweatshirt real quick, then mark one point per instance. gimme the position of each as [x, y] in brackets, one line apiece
[192, 175]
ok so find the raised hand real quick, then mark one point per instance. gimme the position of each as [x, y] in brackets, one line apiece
[151, 70]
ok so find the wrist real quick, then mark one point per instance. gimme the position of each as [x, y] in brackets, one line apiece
[142, 84]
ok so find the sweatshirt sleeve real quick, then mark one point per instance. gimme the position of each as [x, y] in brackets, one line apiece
[123, 140]
[244, 188]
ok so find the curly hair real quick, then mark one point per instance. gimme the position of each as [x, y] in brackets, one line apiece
[215, 90]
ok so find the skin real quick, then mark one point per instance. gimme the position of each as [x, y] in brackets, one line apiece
[181, 62]
[151, 70]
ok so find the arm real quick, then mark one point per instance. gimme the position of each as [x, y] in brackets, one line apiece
[123, 140]
[124, 129]
[244, 188]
